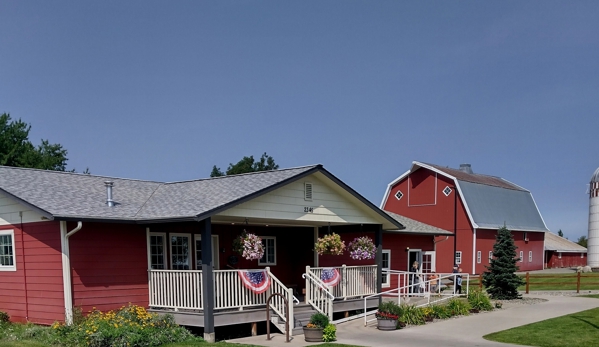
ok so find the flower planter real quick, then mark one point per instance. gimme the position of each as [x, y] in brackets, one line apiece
[387, 324]
[313, 334]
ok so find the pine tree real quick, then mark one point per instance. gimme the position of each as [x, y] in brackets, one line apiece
[500, 279]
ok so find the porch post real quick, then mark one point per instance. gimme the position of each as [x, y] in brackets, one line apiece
[207, 279]
[378, 242]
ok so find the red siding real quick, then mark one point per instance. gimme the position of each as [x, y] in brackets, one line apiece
[567, 259]
[38, 270]
[485, 239]
[397, 244]
[109, 266]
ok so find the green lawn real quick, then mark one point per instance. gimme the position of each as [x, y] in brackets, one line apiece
[575, 330]
[190, 344]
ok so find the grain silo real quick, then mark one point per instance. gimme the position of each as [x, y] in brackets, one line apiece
[593, 238]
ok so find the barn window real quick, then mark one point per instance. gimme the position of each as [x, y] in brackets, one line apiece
[180, 251]
[157, 251]
[386, 261]
[581, 255]
[559, 255]
[447, 191]
[521, 256]
[530, 256]
[479, 256]
[398, 195]
[7, 250]
[270, 251]
[458, 257]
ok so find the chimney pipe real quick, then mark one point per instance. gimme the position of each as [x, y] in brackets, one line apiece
[109, 201]
[467, 168]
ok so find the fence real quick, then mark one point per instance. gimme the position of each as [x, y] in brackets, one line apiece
[537, 282]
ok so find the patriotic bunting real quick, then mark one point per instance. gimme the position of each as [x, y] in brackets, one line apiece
[330, 277]
[256, 281]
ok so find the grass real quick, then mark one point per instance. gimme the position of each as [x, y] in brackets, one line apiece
[183, 344]
[574, 330]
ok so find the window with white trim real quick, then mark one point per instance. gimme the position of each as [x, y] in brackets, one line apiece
[525, 236]
[559, 255]
[270, 251]
[581, 255]
[458, 257]
[180, 251]
[479, 256]
[7, 251]
[398, 195]
[447, 191]
[530, 256]
[490, 256]
[386, 265]
[157, 251]
[198, 250]
[521, 256]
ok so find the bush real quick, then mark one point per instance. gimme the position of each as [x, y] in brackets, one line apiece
[478, 300]
[458, 307]
[329, 333]
[320, 320]
[4, 317]
[412, 315]
[440, 311]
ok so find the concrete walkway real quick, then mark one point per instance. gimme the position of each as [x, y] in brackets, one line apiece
[462, 331]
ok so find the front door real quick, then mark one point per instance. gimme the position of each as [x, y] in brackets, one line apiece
[414, 255]
[428, 262]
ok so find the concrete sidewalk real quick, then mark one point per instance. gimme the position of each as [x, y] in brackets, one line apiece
[462, 331]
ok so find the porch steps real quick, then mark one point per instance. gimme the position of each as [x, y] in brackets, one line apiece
[301, 317]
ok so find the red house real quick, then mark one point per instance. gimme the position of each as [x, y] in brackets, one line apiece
[561, 252]
[73, 240]
[473, 206]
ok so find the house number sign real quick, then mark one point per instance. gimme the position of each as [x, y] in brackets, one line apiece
[308, 209]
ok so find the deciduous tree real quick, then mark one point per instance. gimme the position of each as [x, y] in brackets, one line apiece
[247, 164]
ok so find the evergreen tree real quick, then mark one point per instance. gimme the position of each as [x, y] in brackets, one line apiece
[500, 279]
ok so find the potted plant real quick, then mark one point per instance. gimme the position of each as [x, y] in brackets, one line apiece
[362, 248]
[387, 315]
[249, 246]
[314, 330]
[329, 244]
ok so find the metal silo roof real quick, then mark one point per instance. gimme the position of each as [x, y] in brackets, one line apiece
[595, 177]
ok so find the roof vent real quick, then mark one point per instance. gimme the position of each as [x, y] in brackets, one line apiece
[109, 185]
[466, 168]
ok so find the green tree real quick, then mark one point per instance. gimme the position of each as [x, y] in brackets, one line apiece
[560, 233]
[500, 279]
[247, 164]
[582, 241]
[17, 150]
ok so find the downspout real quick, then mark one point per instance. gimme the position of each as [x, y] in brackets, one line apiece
[66, 269]
[474, 257]
[435, 248]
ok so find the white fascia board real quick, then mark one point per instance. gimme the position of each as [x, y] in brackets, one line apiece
[390, 185]
[455, 182]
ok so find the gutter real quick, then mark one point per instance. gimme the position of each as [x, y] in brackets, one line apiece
[66, 269]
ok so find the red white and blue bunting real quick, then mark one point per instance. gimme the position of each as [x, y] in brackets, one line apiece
[256, 281]
[330, 276]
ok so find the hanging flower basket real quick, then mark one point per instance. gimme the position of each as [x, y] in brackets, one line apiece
[249, 246]
[362, 248]
[329, 244]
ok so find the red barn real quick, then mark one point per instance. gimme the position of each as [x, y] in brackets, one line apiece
[561, 252]
[472, 205]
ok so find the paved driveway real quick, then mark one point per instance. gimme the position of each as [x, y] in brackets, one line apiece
[462, 331]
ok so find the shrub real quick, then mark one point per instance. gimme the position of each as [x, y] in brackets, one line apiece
[320, 320]
[478, 300]
[440, 311]
[329, 333]
[458, 307]
[412, 315]
[4, 317]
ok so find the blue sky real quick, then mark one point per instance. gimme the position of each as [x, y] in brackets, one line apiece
[163, 90]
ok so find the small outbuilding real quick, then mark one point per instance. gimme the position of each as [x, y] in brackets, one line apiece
[561, 252]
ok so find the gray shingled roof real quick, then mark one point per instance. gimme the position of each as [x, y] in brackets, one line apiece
[556, 243]
[415, 227]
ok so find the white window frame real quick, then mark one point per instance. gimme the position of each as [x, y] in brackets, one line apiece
[164, 245]
[266, 263]
[479, 256]
[458, 257]
[189, 245]
[387, 282]
[559, 255]
[400, 195]
[521, 257]
[581, 255]
[490, 256]
[530, 256]
[12, 267]
[215, 249]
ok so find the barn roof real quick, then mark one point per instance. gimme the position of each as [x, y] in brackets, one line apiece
[415, 227]
[557, 243]
[73, 196]
[491, 202]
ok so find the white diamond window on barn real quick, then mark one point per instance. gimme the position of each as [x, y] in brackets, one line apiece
[447, 191]
[398, 195]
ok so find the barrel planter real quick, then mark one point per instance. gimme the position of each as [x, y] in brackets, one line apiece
[313, 334]
[387, 324]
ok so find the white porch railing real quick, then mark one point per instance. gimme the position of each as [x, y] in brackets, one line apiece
[356, 281]
[177, 289]
[277, 303]
[318, 294]
[229, 292]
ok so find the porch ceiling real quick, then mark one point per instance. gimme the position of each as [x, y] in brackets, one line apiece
[219, 219]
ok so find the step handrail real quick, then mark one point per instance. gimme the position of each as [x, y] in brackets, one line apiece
[321, 285]
[277, 305]
[318, 295]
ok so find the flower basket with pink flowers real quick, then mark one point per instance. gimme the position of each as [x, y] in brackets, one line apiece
[362, 248]
[249, 246]
[329, 244]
